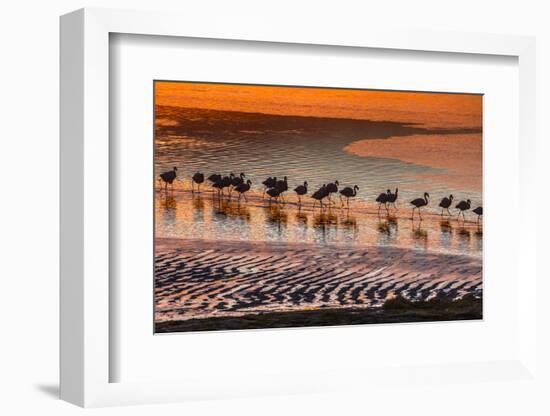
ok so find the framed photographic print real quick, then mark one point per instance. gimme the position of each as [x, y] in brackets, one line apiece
[281, 212]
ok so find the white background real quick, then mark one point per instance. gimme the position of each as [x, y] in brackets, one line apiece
[29, 205]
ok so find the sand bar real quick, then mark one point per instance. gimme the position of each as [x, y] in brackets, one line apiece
[200, 279]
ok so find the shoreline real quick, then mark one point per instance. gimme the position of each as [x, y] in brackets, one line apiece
[460, 310]
[174, 243]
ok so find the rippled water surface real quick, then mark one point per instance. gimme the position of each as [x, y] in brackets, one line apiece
[303, 149]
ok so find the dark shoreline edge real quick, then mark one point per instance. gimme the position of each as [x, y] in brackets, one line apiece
[256, 121]
[398, 310]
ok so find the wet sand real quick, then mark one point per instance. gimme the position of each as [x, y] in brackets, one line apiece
[198, 279]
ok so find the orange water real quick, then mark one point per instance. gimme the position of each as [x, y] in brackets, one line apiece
[417, 142]
[425, 109]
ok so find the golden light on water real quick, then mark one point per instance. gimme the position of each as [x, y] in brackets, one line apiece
[183, 214]
[425, 109]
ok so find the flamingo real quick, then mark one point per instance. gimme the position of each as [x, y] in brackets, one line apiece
[273, 193]
[479, 212]
[282, 185]
[215, 177]
[348, 193]
[319, 194]
[197, 178]
[332, 188]
[419, 203]
[243, 188]
[168, 177]
[227, 181]
[383, 199]
[463, 206]
[218, 185]
[392, 198]
[446, 203]
[236, 181]
[270, 182]
[222, 183]
[301, 190]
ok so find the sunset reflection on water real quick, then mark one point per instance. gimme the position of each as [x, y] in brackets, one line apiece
[181, 214]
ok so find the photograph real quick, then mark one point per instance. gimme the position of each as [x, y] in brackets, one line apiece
[311, 206]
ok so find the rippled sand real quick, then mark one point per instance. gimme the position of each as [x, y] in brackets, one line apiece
[202, 279]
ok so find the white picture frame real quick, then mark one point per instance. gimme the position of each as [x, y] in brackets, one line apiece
[85, 165]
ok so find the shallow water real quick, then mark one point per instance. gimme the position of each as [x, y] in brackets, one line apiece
[181, 214]
[303, 149]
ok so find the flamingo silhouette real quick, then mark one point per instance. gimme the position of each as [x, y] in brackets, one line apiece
[168, 177]
[419, 203]
[332, 188]
[479, 212]
[463, 206]
[392, 198]
[348, 193]
[270, 182]
[243, 188]
[446, 203]
[198, 178]
[282, 185]
[236, 181]
[383, 199]
[300, 191]
[223, 183]
[214, 177]
[319, 195]
[274, 193]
